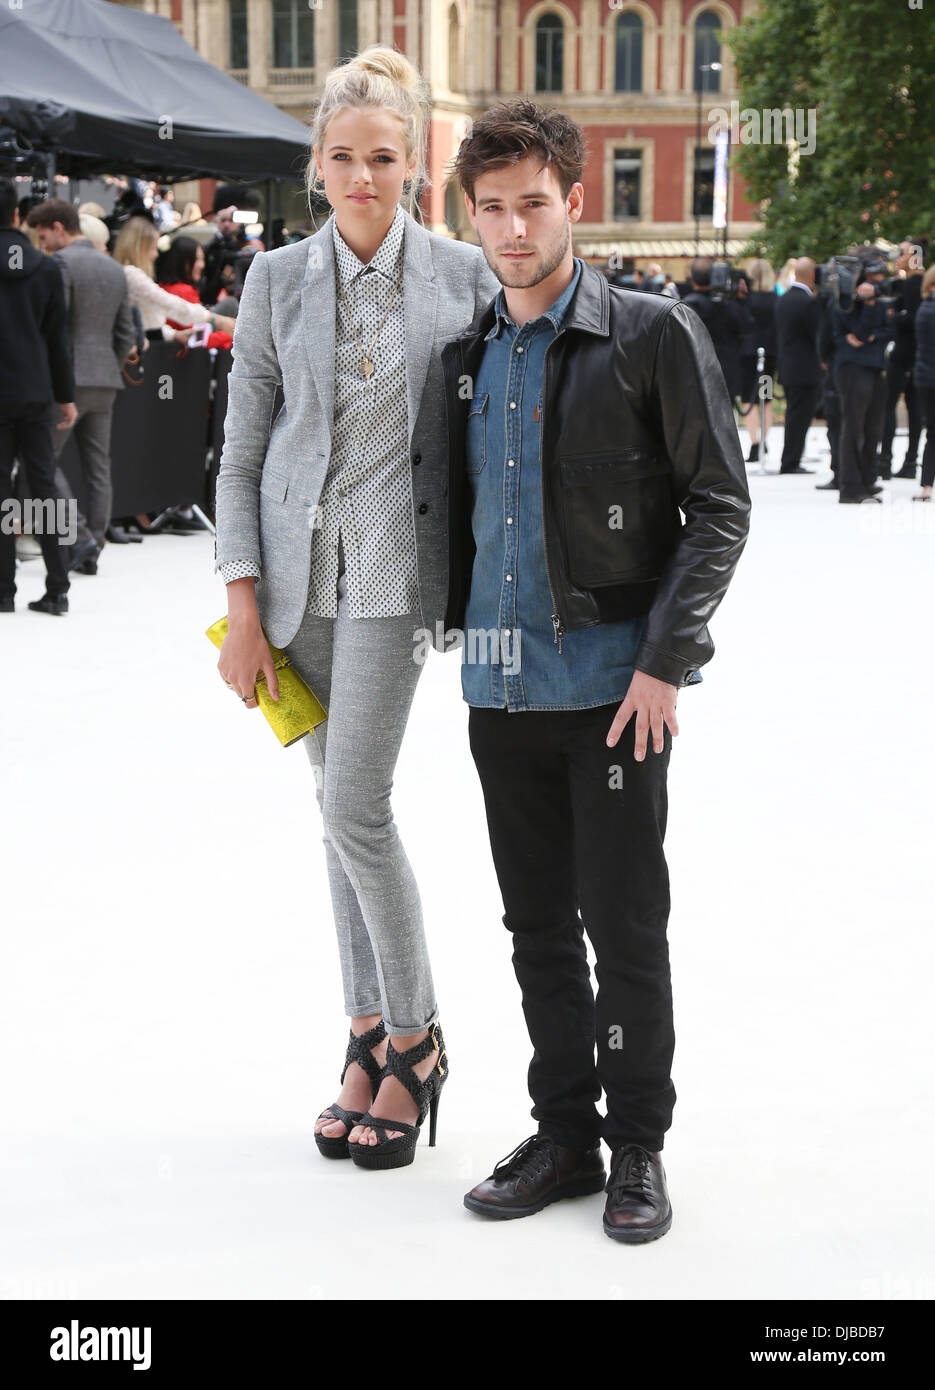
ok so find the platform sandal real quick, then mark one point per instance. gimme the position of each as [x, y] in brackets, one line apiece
[397, 1153]
[358, 1050]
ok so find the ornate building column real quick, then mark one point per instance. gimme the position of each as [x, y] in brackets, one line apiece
[670, 77]
[368, 22]
[593, 19]
[509, 47]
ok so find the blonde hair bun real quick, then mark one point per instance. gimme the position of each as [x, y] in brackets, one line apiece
[379, 77]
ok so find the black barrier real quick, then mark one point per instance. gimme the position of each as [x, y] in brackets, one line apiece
[163, 423]
[222, 367]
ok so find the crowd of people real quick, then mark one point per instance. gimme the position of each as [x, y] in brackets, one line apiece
[82, 296]
[87, 292]
[849, 358]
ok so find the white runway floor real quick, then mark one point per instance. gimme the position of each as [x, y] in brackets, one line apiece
[171, 1013]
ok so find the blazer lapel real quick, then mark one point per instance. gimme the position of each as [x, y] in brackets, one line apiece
[318, 306]
[420, 313]
[318, 310]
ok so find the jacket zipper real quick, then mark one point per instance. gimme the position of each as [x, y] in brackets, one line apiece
[557, 628]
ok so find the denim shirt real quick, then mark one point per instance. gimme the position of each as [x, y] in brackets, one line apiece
[510, 656]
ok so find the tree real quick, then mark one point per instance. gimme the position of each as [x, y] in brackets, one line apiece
[866, 70]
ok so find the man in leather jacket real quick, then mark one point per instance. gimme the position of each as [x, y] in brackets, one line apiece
[583, 419]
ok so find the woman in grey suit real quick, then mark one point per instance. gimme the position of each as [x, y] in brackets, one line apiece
[332, 536]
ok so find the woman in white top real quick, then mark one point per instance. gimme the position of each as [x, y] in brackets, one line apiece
[136, 249]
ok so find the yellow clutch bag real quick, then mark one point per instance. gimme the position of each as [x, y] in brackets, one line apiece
[298, 710]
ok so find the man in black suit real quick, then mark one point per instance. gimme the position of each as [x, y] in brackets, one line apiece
[726, 319]
[35, 370]
[798, 321]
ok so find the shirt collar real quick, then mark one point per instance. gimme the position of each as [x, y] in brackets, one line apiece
[797, 284]
[385, 259]
[555, 313]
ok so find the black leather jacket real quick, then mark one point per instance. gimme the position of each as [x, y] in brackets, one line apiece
[636, 424]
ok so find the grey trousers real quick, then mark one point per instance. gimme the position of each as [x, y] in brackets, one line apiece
[364, 672]
[92, 436]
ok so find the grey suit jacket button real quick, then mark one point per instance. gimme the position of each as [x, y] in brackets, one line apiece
[417, 458]
[423, 508]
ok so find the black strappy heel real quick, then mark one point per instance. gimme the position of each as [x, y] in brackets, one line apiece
[397, 1153]
[358, 1050]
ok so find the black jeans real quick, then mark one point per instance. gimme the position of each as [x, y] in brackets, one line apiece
[567, 832]
[26, 433]
[863, 402]
[899, 383]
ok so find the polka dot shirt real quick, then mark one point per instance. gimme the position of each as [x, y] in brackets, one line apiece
[367, 494]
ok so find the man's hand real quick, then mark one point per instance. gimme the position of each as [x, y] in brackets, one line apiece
[69, 415]
[854, 340]
[653, 702]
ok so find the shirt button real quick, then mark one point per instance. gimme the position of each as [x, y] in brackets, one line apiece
[512, 463]
[506, 632]
[423, 508]
[512, 405]
[509, 521]
[509, 576]
[519, 349]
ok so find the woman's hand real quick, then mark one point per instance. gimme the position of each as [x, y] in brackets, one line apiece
[245, 652]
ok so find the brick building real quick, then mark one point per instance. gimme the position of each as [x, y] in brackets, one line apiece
[629, 71]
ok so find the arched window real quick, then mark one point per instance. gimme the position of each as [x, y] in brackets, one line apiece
[550, 34]
[347, 29]
[628, 70]
[707, 50]
[293, 34]
[237, 34]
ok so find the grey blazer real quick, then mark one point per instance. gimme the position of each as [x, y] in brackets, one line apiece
[100, 324]
[272, 471]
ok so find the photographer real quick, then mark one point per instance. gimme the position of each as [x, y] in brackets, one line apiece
[899, 380]
[227, 251]
[726, 315]
[830, 400]
[861, 333]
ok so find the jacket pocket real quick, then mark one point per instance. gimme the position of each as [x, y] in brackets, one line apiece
[621, 517]
[274, 485]
[476, 452]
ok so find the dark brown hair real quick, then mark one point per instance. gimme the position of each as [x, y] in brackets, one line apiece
[56, 210]
[510, 131]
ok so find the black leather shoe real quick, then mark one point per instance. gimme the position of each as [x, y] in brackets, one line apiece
[876, 488]
[7, 605]
[50, 604]
[907, 471]
[638, 1207]
[538, 1171]
[797, 469]
[118, 536]
[81, 552]
[828, 487]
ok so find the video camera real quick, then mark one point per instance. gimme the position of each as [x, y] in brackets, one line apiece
[725, 281]
[839, 277]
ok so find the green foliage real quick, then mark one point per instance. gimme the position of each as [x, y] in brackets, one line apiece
[867, 70]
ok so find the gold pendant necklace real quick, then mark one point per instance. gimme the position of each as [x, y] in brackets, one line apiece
[365, 365]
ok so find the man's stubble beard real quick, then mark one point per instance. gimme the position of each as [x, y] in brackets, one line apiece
[534, 275]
